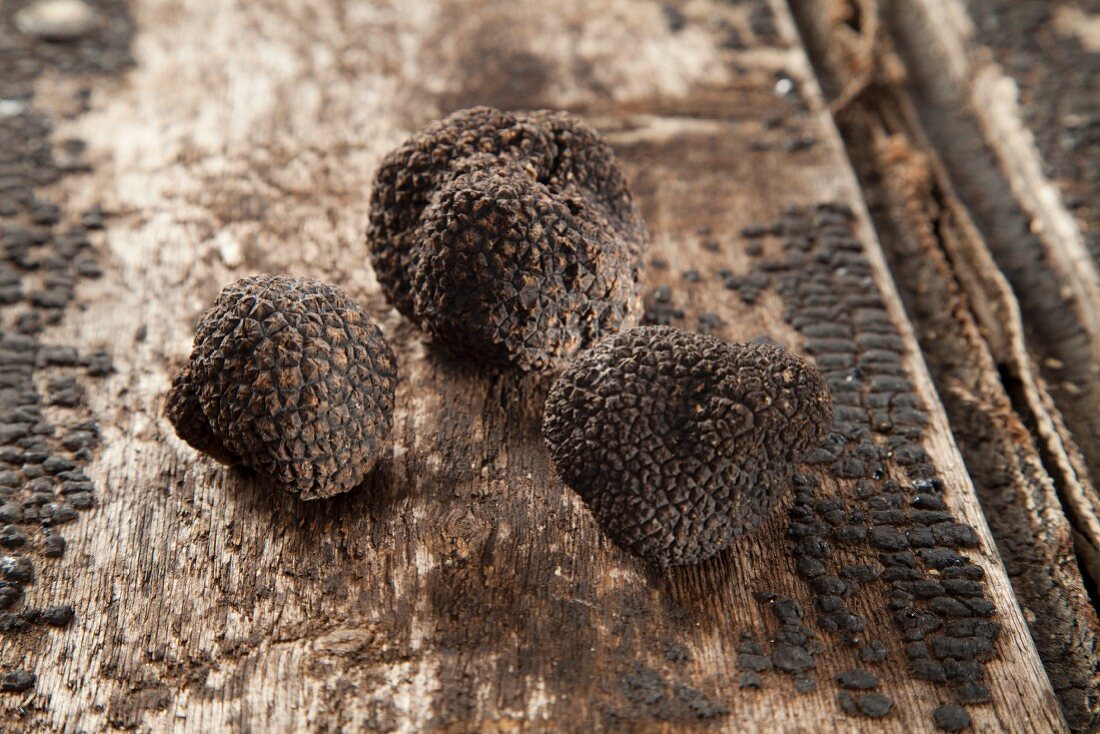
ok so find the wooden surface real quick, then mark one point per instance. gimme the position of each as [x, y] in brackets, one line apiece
[998, 151]
[462, 588]
[972, 333]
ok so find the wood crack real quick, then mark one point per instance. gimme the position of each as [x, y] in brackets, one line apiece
[969, 325]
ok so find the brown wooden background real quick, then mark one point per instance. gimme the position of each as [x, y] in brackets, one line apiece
[463, 588]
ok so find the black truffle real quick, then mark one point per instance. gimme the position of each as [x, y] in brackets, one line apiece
[681, 442]
[510, 238]
[291, 378]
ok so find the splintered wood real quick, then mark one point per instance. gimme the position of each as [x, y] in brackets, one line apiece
[970, 325]
[463, 587]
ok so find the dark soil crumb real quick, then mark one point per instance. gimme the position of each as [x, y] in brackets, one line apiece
[755, 663]
[972, 694]
[890, 513]
[676, 20]
[859, 680]
[793, 645]
[873, 705]
[12, 537]
[18, 681]
[58, 616]
[805, 683]
[10, 594]
[874, 651]
[709, 323]
[656, 697]
[951, 717]
[659, 310]
[16, 568]
[792, 659]
[677, 653]
[47, 250]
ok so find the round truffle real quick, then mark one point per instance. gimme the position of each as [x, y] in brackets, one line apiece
[291, 378]
[680, 442]
[510, 238]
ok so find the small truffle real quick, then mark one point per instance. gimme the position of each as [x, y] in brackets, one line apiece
[679, 442]
[510, 238]
[291, 378]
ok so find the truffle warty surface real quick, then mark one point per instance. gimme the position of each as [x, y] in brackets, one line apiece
[291, 378]
[680, 442]
[510, 238]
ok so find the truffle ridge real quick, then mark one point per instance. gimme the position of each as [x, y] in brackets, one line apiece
[679, 442]
[289, 377]
[510, 238]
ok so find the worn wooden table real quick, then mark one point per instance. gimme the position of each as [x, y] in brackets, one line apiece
[900, 228]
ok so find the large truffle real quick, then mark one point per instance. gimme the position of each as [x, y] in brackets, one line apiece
[291, 378]
[681, 442]
[510, 238]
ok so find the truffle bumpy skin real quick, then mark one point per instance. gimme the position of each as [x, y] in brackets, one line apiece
[289, 377]
[510, 238]
[680, 442]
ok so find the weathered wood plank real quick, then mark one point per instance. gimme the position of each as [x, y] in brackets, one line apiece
[968, 323]
[463, 587]
[999, 130]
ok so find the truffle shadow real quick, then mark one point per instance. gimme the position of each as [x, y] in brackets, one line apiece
[370, 501]
[521, 395]
[747, 563]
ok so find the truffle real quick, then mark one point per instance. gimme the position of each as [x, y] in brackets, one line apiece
[679, 442]
[291, 378]
[510, 238]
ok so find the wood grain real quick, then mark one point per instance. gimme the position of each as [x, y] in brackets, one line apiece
[969, 325]
[973, 110]
[463, 587]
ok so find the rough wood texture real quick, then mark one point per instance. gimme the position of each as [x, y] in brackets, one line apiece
[463, 587]
[971, 333]
[995, 134]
